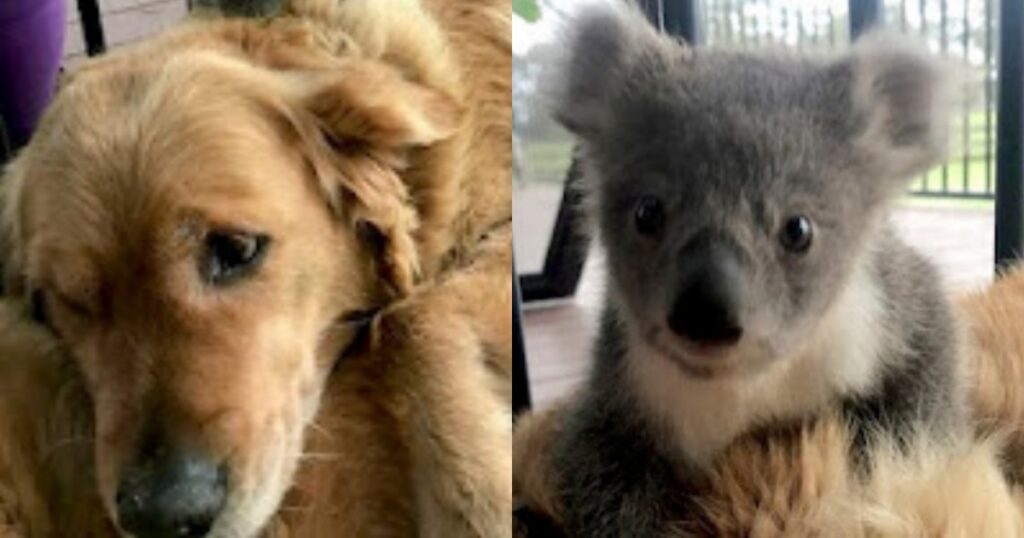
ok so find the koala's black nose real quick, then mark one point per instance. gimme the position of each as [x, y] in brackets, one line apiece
[706, 309]
[171, 494]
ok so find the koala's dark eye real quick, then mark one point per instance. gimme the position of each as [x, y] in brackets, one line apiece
[231, 255]
[796, 234]
[649, 216]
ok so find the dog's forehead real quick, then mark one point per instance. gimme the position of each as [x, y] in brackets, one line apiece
[128, 128]
[143, 92]
[130, 153]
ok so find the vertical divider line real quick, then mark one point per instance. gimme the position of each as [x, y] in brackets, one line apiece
[1010, 136]
[521, 399]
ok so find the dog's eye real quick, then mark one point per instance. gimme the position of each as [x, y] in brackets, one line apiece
[231, 255]
[649, 216]
[796, 234]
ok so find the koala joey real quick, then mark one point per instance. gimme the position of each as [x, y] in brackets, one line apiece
[754, 280]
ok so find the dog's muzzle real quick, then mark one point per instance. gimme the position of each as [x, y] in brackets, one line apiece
[171, 494]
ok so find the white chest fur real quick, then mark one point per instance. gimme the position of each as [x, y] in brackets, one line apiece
[704, 415]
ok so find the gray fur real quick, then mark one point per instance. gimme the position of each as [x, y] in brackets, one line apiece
[734, 143]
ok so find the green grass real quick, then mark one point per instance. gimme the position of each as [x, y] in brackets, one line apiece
[948, 202]
[954, 177]
[956, 165]
[547, 161]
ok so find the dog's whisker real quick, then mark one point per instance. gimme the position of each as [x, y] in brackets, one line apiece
[296, 508]
[322, 430]
[325, 456]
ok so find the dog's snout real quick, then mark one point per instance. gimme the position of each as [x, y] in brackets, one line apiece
[171, 494]
[707, 306]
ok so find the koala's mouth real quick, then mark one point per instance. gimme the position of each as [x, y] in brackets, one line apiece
[748, 357]
[701, 361]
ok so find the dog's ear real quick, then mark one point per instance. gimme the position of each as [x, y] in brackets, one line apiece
[365, 190]
[359, 121]
[354, 98]
[370, 102]
[606, 48]
[359, 124]
[899, 98]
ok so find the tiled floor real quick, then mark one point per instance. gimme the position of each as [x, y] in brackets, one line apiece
[558, 335]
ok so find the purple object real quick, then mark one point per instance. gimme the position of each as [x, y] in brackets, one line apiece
[31, 48]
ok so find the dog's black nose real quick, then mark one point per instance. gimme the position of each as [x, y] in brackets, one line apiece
[171, 495]
[706, 310]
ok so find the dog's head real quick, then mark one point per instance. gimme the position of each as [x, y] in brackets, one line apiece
[736, 192]
[201, 219]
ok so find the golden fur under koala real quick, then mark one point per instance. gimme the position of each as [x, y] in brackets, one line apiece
[800, 482]
[338, 113]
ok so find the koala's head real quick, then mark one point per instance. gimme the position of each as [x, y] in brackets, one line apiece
[737, 193]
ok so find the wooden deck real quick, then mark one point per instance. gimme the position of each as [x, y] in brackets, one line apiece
[558, 335]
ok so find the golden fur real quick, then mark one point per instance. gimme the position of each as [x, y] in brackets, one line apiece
[370, 140]
[800, 482]
[437, 406]
[995, 320]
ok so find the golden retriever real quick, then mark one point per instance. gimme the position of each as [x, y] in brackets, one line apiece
[224, 220]
[800, 482]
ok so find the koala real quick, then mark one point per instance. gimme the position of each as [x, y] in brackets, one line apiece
[754, 279]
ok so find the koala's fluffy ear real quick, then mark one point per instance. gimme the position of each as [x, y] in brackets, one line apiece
[901, 96]
[604, 43]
